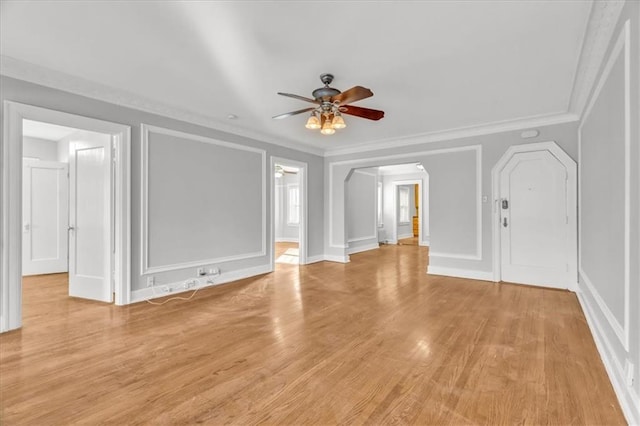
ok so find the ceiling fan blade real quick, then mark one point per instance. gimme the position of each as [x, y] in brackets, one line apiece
[302, 98]
[352, 95]
[289, 114]
[371, 114]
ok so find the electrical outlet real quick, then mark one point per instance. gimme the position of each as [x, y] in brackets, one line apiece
[200, 272]
[151, 281]
[214, 271]
[190, 284]
[628, 368]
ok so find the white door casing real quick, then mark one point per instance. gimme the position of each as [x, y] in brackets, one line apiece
[90, 219]
[45, 217]
[11, 220]
[535, 223]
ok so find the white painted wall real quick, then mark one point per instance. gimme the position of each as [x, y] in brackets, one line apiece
[361, 210]
[609, 208]
[40, 149]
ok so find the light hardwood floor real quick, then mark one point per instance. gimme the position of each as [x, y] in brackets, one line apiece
[376, 341]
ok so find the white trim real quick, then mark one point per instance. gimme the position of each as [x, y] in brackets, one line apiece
[289, 186]
[315, 259]
[339, 259]
[622, 45]
[372, 246]
[303, 225]
[403, 236]
[286, 240]
[459, 273]
[11, 282]
[572, 185]
[615, 325]
[32, 73]
[370, 237]
[378, 161]
[145, 268]
[148, 293]
[600, 28]
[457, 133]
[452, 255]
[627, 397]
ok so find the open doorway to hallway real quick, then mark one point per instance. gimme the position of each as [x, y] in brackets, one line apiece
[288, 213]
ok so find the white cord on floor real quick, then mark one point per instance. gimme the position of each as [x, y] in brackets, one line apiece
[171, 298]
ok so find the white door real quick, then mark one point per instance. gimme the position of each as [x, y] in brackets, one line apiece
[45, 192]
[534, 220]
[90, 219]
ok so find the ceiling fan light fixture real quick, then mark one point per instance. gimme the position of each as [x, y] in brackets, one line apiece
[338, 122]
[327, 129]
[313, 123]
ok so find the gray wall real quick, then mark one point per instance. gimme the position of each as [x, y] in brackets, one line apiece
[456, 228]
[216, 227]
[609, 199]
[41, 149]
[361, 210]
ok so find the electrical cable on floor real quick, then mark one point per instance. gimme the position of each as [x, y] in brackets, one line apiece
[171, 298]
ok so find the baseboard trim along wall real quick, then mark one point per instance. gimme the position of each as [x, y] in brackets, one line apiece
[339, 259]
[200, 282]
[403, 236]
[286, 240]
[367, 247]
[460, 273]
[629, 400]
[315, 259]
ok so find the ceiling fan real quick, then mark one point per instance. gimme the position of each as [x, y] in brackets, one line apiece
[331, 104]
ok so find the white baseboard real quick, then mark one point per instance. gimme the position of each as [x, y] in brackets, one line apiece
[339, 259]
[424, 243]
[460, 273]
[367, 247]
[627, 397]
[286, 240]
[177, 287]
[314, 259]
[400, 237]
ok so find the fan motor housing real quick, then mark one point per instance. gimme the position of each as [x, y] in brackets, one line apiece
[324, 93]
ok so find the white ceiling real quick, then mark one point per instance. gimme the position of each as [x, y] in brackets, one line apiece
[433, 66]
[46, 131]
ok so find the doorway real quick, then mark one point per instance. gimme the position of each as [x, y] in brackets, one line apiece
[288, 213]
[535, 216]
[99, 195]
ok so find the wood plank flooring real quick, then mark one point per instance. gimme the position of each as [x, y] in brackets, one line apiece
[376, 341]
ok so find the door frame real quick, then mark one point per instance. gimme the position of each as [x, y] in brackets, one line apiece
[572, 188]
[11, 186]
[396, 186]
[302, 230]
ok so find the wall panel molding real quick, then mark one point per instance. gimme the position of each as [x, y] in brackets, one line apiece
[145, 267]
[621, 47]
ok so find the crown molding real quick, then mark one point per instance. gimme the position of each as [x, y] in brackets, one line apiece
[457, 133]
[602, 23]
[43, 76]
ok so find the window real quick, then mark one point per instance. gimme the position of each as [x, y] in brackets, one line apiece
[403, 204]
[380, 224]
[293, 205]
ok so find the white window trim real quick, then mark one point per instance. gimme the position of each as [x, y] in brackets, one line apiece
[403, 191]
[291, 222]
